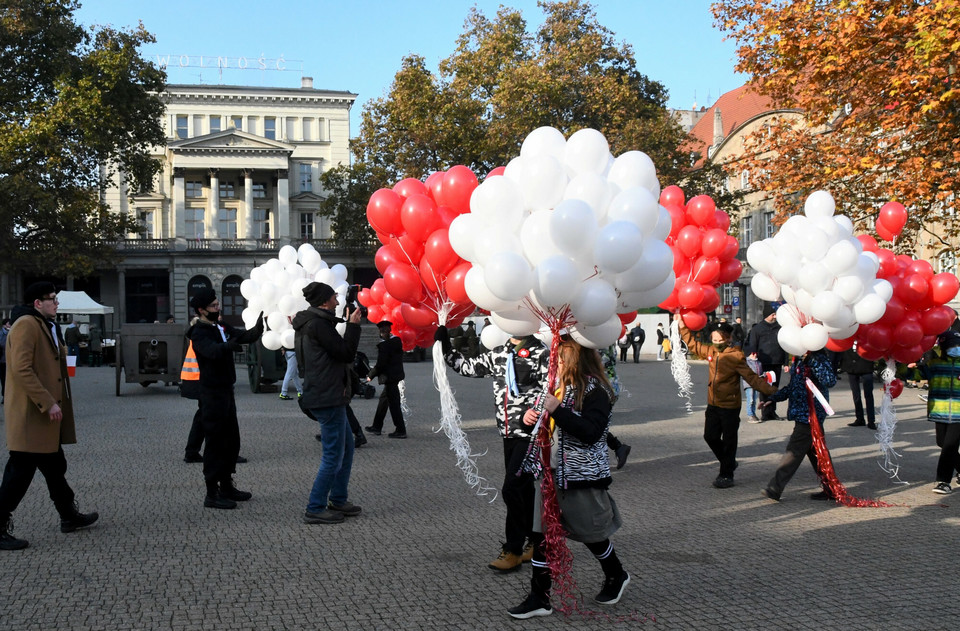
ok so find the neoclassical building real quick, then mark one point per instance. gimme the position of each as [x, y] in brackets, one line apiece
[239, 180]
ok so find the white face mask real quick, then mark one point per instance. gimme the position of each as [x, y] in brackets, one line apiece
[953, 351]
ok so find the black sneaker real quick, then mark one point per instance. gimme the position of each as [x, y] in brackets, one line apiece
[359, 440]
[397, 434]
[373, 430]
[622, 452]
[348, 509]
[8, 541]
[770, 495]
[219, 501]
[612, 590]
[532, 607]
[78, 520]
[723, 482]
[326, 516]
[822, 495]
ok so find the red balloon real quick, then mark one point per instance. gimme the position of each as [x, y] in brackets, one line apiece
[409, 187]
[689, 241]
[869, 243]
[670, 304]
[390, 303]
[903, 263]
[730, 250]
[446, 215]
[495, 172]
[895, 388]
[711, 300]
[383, 212]
[721, 220]
[913, 289]
[908, 333]
[893, 216]
[922, 268]
[432, 280]
[869, 353]
[701, 211]
[672, 197]
[383, 238]
[714, 241]
[936, 320]
[419, 217]
[458, 184]
[894, 312]
[433, 185]
[875, 335]
[418, 316]
[454, 285]
[888, 263]
[883, 232]
[677, 220]
[627, 318]
[706, 270]
[928, 342]
[408, 338]
[693, 319]
[403, 283]
[439, 252]
[425, 337]
[374, 313]
[385, 257]
[730, 271]
[690, 294]
[944, 287]
[364, 297]
[838, 346]
[408, 249]
[907, 355]
[681, 263]
[378, 291]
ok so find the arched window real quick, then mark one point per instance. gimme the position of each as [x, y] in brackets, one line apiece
[193, 286]
[232, 303]
[947, 262]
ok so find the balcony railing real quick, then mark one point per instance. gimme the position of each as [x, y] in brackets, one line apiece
[234, 245]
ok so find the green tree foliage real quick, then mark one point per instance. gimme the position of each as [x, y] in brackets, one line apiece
[71, 101]
[502, 82]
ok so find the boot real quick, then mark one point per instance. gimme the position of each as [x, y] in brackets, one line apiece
[71, 518]
[359, 440]
[229, 491]
[215, 499]
[7, 540]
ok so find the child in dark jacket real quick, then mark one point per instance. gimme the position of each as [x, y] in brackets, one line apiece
[727, 366]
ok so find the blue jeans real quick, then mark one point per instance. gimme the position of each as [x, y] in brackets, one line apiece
[751, 396]
[334, 473]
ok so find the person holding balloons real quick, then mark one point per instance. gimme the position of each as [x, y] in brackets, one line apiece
[727, 366]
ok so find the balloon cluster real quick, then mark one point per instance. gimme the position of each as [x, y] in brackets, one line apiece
[823, 273]
[568, 236]
[891, 220]
[704, 255]
[275, 288]
[423, 277]
[915, 314]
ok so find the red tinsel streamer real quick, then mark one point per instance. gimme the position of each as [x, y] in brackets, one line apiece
[828, 476]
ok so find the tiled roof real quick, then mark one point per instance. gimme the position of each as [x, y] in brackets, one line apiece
[736, 107]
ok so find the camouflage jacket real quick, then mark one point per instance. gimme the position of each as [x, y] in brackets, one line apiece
[530, 360]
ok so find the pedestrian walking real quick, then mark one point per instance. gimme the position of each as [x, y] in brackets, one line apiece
[389, 371]
[943, 407]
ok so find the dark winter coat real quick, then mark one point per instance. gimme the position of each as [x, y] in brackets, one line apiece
[762, 340]
[214, 355]
[389, 366]
[324, 357]
[726, 367]
[818, 368]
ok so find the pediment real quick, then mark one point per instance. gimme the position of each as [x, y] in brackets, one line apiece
[230, 140]
[306, 197]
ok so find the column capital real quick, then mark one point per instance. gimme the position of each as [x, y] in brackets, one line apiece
[246, 173]
[214, 171]
[283, 174]
[179, 172]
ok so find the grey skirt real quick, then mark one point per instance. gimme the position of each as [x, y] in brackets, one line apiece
[588, 515]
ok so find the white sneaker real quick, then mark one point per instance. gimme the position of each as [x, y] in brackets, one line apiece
[942, 488]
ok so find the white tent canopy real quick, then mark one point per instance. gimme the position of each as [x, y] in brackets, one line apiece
[78, 302]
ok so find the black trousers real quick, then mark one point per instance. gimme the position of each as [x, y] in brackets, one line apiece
[636, 352]
[769, 412]
[353, 422]
[856, 381]
[799, 445]
[195, 438]
[518, 495]
[720, 429]
[221, 432]
[948, 440]
[19, 473]
[390, 398]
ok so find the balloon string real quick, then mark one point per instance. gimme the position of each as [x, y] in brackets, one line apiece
[680, 368]
[887, 426]
[416, 267]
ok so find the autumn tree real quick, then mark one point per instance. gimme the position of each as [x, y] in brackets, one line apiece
[71, 102]
[348, 190]
[876, 82]
[502, 82]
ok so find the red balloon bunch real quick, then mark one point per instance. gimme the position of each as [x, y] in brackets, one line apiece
[422, 275]
[891, 220]
[914, 316]
[704, 255]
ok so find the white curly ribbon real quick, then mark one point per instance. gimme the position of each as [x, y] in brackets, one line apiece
[402, 386]
[889, 458]
[680, 368]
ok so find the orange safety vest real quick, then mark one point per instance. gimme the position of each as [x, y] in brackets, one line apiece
[191, 369]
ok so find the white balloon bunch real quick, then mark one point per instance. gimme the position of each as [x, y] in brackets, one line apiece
[276, 289]
[569, 235]
[822, 272]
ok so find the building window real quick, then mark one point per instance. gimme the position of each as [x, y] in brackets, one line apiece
[291, 128]
[194, 188]
[261, 223]
[308, 129]
[768, 227]
[746, 231]
[321, 123]
[947, 262]
[251, 124]
[306, 177]
[306, 226]
[197, 126]
[193, 223]
[145, 220]
[727, 294]
[270, 128]
[227, 223]
[744, 180]
[183, 126]
[232, 302]
[226, 190]
[214, 124]
[259, 190]
[237, 122]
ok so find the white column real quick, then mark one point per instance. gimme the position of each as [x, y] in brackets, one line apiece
[178, 223]
[283, 206]
[248, 222]
[213, 206]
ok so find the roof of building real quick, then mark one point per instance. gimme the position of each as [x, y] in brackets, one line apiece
[736, 108]
[180, 88]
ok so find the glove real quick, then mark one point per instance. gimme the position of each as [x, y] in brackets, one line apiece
[259, 326]
[235, 346]
[443, 336]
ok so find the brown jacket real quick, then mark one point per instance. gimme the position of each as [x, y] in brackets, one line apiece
[725, 368]
[36, 380]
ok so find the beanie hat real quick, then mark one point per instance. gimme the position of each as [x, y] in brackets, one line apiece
[769, 308]
[36, 291]
[203, 298]
[317, 293]
[948, 339]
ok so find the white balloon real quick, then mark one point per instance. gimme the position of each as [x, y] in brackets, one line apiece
[618, 246]
[594, 302]
[599, 336]
[784, 270]
[508, 276]
[842, 333]
[826, 306]
[268, 292]
[493, 240]
[829, 228]
[304, 249]
[249, 317]
[841, 257]
[517, 322]
[653, 267]
[296, 287]
[790, 339]
[846, 226]
[462, 231]
[760, 256]
[256, 304]
[341, 328]
[535, 237]
[787, 315]
[869, 309]
[764, 287]
[814, 336]
[492, 336]
[555, 278]
[850, 288]
[258, 274]
[326, 276]
[287, 255]
[276, 321]
[572, 226]
[664, 224]
[814, 278]
[340, 271]
[819, 204]
[249, 288]
[310, 260]
[789, 296]
[635, 168]
[545, 181]
[499, 202]
[884, 289]
[592, 189]
[478, 292]
[637, 206]
[874, 259]
[814, 242]
[587, 151]
[652, 297]
[288, 338]
[270, 340]
[287, 305]
[543, 141]
[804, 301]
[516, 170]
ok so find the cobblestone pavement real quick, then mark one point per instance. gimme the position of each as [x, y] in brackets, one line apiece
[700, 558]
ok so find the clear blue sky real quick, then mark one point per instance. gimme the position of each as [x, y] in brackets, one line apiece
[357, 45]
